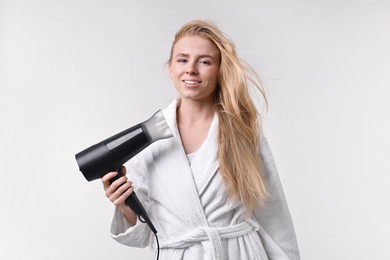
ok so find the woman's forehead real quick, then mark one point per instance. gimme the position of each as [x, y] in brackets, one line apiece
[195, 45]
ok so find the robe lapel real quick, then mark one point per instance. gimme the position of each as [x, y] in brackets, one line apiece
[205, 163]
[174, 178]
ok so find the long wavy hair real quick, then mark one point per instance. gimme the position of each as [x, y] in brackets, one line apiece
[240, 123]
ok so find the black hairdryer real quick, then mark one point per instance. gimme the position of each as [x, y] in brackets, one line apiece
[110, 154]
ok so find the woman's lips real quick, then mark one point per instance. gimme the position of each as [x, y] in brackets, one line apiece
[191, 83]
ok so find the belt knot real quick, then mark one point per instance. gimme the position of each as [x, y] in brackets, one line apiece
[214, 235]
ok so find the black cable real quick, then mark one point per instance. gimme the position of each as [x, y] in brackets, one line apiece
[158, 246]
[141, 218]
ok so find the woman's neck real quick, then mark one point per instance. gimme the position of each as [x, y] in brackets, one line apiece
[193, 122]
[190, 112]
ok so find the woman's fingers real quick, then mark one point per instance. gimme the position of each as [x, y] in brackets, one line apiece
[106, 179]
[116, 184]
[118, 190]
[120, 201]
[120, 194]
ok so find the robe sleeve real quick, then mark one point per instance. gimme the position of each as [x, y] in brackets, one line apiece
[276, 227]
[138, 235]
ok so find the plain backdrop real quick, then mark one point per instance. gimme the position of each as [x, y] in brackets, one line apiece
[74, 72]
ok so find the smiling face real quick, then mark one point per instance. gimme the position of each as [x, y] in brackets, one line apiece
[194, 68]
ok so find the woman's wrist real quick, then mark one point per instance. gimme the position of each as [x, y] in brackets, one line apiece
[128, 214]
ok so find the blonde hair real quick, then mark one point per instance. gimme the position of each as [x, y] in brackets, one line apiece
[239, 127]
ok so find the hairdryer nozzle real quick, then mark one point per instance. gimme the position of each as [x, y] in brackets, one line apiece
[157, 127]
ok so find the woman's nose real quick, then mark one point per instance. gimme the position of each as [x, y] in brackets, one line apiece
[191, 68]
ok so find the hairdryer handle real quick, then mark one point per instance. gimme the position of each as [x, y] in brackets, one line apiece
[133, 202]
[135, 205]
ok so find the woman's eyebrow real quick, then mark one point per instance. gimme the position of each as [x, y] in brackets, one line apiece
[200, 56]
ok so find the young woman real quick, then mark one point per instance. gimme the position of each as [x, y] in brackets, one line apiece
[212, 191]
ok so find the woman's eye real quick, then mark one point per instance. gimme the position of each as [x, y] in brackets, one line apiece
[181, 60]
[206, 62]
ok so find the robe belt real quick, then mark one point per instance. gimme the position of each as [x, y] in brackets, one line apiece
[214, 235]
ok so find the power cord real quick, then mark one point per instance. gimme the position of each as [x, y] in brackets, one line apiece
[158, 246]
[143, 220]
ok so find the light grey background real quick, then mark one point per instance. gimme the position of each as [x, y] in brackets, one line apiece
[75, 72]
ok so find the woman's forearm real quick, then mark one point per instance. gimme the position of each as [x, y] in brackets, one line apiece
[129, 215]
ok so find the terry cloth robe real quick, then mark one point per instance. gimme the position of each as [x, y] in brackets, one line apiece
[191, 210]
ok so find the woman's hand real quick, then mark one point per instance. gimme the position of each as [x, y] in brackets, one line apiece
[118, 191]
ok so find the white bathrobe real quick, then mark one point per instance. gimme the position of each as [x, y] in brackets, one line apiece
[191, 210]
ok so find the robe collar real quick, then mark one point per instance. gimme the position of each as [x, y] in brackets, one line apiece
[176, 173]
